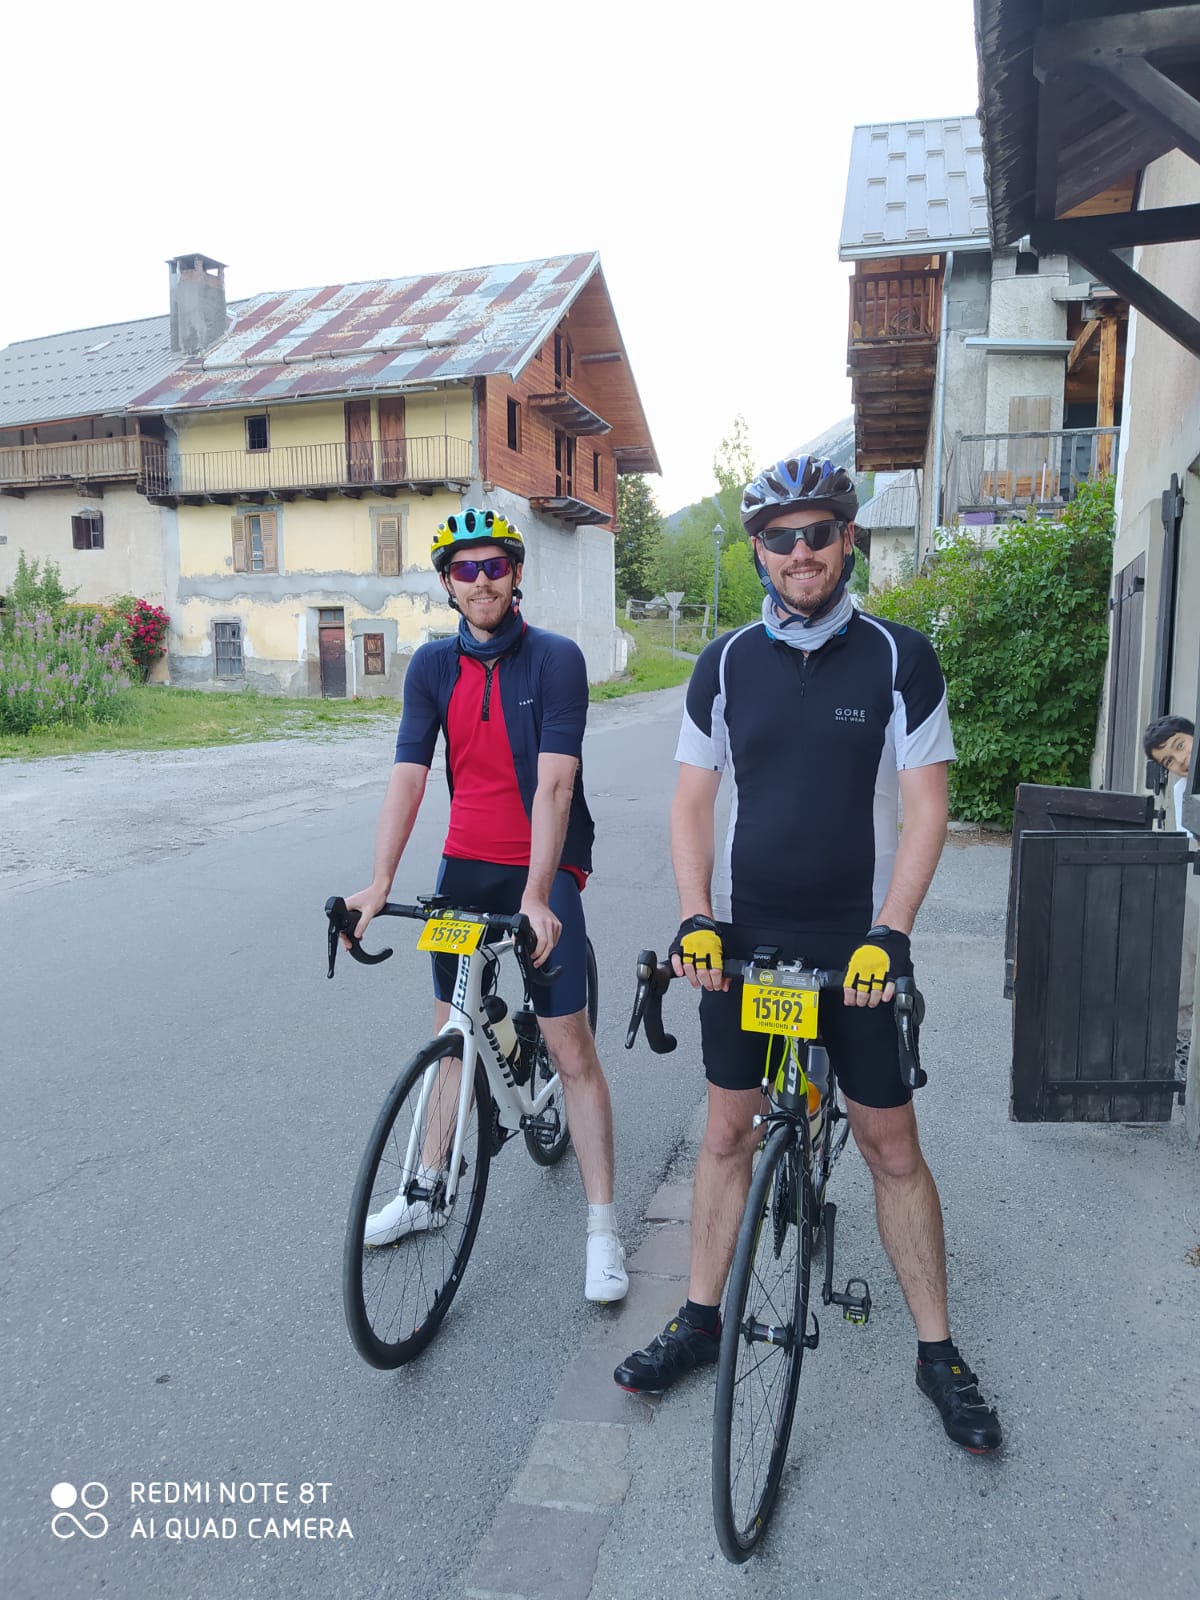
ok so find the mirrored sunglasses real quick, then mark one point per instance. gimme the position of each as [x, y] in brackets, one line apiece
[494, 567]
[817, 536]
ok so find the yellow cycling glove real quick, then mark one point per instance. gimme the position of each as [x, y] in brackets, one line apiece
[883, 956]
[698, 943]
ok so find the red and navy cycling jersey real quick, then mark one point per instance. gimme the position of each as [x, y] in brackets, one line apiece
[813, 745]
[541, 688]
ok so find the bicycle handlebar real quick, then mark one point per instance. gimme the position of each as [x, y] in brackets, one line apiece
[517, 928]
[653, 980]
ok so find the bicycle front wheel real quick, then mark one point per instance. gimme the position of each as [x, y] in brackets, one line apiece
[407, 1243]
[762, 1344]
[548, 1138]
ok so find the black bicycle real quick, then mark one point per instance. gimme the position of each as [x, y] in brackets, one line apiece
[767, 1322]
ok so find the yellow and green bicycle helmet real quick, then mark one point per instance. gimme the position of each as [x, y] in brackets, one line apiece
[469, 527]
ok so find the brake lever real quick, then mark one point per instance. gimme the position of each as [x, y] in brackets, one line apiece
[910, 1013]
[343, 920]
[652, 983]
[523, 946]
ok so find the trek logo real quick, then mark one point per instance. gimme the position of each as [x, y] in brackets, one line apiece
[850, 714]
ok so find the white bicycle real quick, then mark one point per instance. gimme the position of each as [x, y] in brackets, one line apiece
[423, 1176]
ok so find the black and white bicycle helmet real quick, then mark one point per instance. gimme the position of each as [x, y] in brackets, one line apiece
[798, 481]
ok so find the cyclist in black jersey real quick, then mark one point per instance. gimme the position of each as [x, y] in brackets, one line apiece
[824, 718]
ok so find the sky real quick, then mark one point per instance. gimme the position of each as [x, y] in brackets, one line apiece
[704, 159]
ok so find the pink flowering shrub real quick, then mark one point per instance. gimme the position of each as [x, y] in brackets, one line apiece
[146, 634]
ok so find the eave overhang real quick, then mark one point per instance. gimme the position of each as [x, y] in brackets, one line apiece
[1072, 111]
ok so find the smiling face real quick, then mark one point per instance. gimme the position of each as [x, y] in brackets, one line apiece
[1175, 755]
[805, 578]
[484, 602]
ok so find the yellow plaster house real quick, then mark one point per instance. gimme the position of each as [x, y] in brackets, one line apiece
[286, 465]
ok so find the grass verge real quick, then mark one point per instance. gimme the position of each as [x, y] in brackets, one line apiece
[161, 718]
[651, 666]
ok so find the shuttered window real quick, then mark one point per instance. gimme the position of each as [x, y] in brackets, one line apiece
[256, 542]
[87, 531]
[373, 655]
[387, 547]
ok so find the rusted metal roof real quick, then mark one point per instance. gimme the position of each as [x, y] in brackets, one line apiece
[90, 372]
[914, 187]
[391, 334]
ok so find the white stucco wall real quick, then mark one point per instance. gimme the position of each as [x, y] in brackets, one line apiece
[1160, 434]
[131, 561]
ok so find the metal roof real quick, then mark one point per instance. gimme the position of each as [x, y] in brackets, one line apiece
[915, 187]
[391, 334]
[89, 372]
[897, 504]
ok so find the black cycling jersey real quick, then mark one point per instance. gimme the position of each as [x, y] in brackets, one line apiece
[813, 745]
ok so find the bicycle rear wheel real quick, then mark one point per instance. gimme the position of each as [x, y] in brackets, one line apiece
[547, 1141]
[396, 1293]
[762, 1344]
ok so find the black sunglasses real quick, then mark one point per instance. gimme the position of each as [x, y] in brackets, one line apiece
[494, 567]
[817, 536]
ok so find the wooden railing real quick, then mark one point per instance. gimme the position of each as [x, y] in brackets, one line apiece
[360, 464]
[895, 306]
[79, 460]
[1002, 474]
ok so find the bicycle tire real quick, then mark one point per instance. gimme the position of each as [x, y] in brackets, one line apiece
[396, 1295]
[548, 1144]
[757, 1378]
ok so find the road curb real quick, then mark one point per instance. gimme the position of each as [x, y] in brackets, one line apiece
[544, 1542]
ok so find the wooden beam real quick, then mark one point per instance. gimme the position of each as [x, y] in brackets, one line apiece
[1153, 98]
[1108, 267]
[1140, 33]
[14, 494]
[1090, 330]
[1106, 395]
[1117, 229]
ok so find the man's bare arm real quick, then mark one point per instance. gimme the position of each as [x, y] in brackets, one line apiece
[548, 828]
[693, 854]
[405, 791]
[923, 790]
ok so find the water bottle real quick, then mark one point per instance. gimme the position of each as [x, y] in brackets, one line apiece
[525, 1023]
[502, 1026]
[817, 1071]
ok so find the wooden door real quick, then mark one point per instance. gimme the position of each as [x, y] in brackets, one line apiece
[393, 466]
[332, 632]
[1034, 474]
[1123, 744]
[360, 464]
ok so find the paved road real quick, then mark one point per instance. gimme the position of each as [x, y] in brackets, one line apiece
[187, 1098]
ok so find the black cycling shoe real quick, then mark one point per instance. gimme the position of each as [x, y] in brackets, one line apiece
[967, 1419]
[671, 1353]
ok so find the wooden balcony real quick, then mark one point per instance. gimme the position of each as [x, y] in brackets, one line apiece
[996, 477]
[567, 508]
[566, 411]
[88, 463]
[895, 320]
[315, 471]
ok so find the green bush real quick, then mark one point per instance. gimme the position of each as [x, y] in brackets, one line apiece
[57, 671]
[1021, 630]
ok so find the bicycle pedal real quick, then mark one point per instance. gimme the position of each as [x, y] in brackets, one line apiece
[856, 1308]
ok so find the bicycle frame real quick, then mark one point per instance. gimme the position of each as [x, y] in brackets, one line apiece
[515, 1106]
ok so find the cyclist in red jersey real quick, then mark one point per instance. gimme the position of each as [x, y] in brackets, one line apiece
[510, 701]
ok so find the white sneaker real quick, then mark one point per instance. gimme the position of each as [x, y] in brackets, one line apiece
[399, 1219]
[607, 1279]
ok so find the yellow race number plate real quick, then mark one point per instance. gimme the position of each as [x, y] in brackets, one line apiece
[774, 1008]
[454, 936]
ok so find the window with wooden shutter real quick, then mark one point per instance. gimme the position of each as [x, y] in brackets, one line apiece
[387, 547]
[227, 650]
[240, 563]
[373, 655]
[256, 542]
[87, 531]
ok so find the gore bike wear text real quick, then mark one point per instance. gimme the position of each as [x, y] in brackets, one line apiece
[814, 746]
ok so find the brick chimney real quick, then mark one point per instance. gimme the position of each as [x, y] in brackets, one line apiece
[197, 303]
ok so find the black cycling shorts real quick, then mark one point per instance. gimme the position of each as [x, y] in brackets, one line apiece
[490, 886]
[861, 1040]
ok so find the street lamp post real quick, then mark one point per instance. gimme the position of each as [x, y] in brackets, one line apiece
[718, 533]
